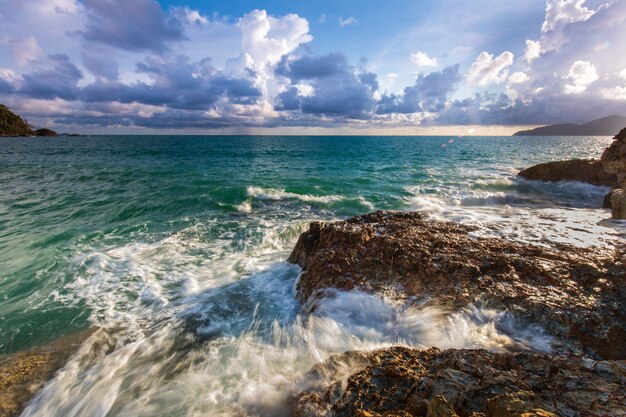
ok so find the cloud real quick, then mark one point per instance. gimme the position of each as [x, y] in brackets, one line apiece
[347, 21]
[25, 50]
[58, 81]
[562, 12]
[518, 77]
[429, 93]
[9, 80]
[615, 93]
[100, 60]
[489, 70]
[422, 60]
[177, 84]
[580, 75]
[336, 88]
[532, 51]
[138, 25]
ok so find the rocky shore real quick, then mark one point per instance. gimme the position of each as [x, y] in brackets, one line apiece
[577, 295]
[609, 171]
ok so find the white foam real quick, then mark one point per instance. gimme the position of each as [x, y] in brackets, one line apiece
[274, 194]
[518, 215]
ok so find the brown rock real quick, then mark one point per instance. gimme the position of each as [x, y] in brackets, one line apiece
[472, 382]
[439, 407]
[22, 374]
[617, 200]
[576, 294]
[584, 170]
[614, 160]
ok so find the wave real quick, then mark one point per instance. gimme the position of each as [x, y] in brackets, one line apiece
[274, 194]
[542, 214]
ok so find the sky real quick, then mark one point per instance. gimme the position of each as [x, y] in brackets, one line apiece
[311, 67]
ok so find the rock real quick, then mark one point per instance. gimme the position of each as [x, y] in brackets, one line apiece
[578, 295]
[617, 200]
[404, 381]
[614, 162]
[439, 407]
[583, 170]
[614, 158]
[22, 374]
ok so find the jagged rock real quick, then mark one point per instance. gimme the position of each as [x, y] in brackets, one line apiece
[576, 294]
[614, 158]
[403, 381]
[614, 162]
[583, 170]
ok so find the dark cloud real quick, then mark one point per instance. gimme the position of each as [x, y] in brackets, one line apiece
[59, 81]
[5, 87]
[339, 90]
[180, 84]
[310, 67]
[429, 93]
[133, 25]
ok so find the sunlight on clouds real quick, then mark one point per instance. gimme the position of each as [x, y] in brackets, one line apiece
[532, 51]
[422, 60]
[489, 70]
[580, 76]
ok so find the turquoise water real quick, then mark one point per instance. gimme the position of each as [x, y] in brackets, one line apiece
[175, 247]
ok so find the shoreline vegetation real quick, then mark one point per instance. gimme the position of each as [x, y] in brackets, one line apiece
[575, 295]
[12, 125]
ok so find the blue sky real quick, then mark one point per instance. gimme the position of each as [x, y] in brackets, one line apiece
[371, 67]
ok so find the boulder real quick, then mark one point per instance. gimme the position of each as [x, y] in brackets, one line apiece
[583, 170]
[578, 295]
[400, 381]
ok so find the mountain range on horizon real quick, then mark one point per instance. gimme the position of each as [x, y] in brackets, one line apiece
[605, 126]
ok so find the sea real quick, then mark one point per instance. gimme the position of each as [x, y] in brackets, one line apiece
[174, 248]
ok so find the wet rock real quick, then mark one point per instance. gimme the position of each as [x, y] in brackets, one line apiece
[22, 374]
[403, 381]
[614, 162]
[577, 294]
[614, 158]
[583, 170]
[617, 203]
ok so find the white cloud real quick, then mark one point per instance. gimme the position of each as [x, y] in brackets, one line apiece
[420, 59]
[489, 70]
[347, 21]
[10, 76]
[580, 76]
[193, 17]
[615, 93]
[322, 18]
[392, 75]
[622, 73]
[518, 77]
[561, 12]
[532, 51]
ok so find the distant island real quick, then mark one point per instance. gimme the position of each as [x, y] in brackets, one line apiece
[606, 126]
[13, 125]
